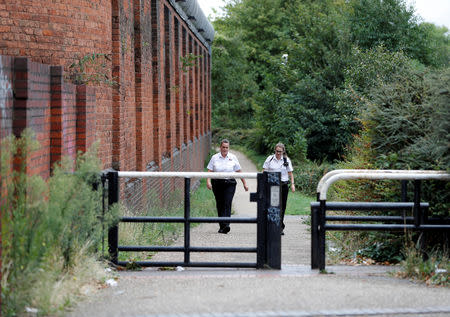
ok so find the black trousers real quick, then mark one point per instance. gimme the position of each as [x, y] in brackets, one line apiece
[223, 190]
[284, 196]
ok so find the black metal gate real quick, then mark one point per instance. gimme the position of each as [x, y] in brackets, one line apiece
[419, 221]
[268, 248]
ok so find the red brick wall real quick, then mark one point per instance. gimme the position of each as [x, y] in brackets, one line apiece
[155, 116]
[85, 131]
[58, 34]
[62, 117]
[32, 110]
[6, 95]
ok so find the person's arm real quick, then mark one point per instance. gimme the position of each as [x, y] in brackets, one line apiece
[266, 165]
[208, 182]
[291, 176]
[243, 181]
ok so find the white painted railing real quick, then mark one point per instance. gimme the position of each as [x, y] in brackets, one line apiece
[188, 174]
[337, 175]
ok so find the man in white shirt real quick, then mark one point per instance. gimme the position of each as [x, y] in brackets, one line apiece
[224, 189]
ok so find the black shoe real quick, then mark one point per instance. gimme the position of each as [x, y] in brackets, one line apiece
[226, 230]
[282, 232]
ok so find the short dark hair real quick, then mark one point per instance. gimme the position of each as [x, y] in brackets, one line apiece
[224, 141]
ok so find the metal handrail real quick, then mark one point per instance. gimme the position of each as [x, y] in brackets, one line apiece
[219, 175]
[371, 174]
[340, 171]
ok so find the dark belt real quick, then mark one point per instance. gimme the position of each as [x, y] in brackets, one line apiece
[285, 183]
[225, 181]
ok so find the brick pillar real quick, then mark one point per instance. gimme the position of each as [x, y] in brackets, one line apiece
[159, 141]
[85, 109]
[178, 85]
[63, 117]
[6, 117]
[6, 95]
[168, 80]
[124, 110]
[143, 83]
[32, 110]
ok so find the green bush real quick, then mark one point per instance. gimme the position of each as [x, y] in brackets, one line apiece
[307, 175]
[404, 126]
[45, 223]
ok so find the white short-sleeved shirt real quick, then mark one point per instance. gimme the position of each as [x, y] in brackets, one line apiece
[273, 165]
[218, 163]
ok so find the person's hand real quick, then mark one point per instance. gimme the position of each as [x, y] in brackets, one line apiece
[293, 187]
[208, 185]
[246, 188]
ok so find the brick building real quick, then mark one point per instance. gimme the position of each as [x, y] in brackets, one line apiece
[132, 74]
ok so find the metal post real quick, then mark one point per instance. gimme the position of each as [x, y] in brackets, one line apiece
[273, 229]
[404, 195]
[259, 198]
[321, 221]
[417, 210]
[418, 217]
[113, 198]
[187, 216]
[314, 237]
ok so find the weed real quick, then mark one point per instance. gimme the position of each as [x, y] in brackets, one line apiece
[91, 68]
[188, 61]
[50, 229]
[433, 271]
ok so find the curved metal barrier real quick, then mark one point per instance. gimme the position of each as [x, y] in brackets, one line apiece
[417, 222]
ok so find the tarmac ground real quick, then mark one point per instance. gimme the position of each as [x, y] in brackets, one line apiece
[295, 290]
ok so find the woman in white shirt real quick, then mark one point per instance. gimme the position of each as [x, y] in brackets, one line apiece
[279, 162]
[224, 189]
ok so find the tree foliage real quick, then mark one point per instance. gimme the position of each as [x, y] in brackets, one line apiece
[280, 67]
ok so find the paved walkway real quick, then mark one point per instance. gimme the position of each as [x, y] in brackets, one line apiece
[295, 290]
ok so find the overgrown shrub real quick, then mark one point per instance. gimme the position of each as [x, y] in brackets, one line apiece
[405, 126]
[45, 223]
[307, 175]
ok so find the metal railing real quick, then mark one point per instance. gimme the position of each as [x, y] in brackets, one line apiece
[268, 248]
[418, 221]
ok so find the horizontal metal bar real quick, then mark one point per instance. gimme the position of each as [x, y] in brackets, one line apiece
[193, 219]
[182, 249]
[219, 175]
[152, 219]
[224, 219]
[337, 205]
[369, 218]
[363, 227]
[223, 249]
[434, 227]
[189, 264]
[381, 227]
[128, 248]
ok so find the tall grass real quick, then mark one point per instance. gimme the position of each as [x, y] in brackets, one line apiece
[50, 229]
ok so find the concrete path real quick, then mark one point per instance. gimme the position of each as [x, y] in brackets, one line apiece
[295, 290]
